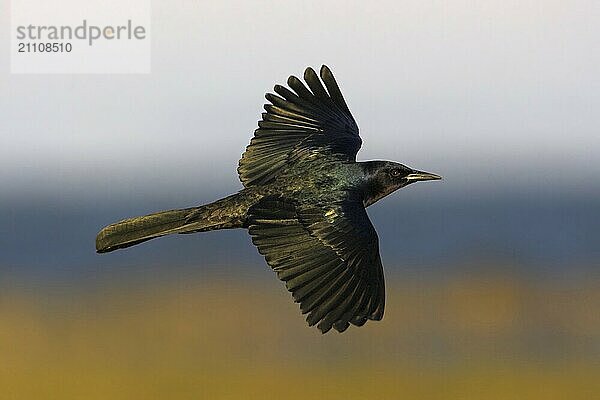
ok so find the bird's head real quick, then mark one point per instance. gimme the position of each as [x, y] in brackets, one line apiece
[385, 177]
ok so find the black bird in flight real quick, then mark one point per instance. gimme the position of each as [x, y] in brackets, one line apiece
[303, 202]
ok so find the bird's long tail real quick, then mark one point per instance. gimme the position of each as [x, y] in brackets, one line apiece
[222, 214]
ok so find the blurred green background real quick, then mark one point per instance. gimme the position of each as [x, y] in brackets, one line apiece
[482, 336]
[492, 274]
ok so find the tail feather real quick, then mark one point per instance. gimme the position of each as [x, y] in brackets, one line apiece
[226, 213]
[136, 230]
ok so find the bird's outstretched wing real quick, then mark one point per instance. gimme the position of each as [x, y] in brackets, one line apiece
[299, 123]
[328, 257]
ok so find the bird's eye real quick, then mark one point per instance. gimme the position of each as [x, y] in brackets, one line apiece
[395, 172]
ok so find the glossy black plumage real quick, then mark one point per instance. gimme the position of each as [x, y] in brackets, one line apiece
[327, 255]
[303, 203]
[296, 124]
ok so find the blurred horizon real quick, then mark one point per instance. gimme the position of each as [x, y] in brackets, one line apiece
[421, 231]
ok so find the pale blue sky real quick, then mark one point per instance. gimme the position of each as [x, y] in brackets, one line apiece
[480, 92]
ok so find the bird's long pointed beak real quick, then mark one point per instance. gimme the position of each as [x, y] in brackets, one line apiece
[422, 176]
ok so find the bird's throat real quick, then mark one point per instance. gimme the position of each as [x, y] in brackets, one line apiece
[375, 191]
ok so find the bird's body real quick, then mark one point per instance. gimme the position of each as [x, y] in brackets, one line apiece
[303, 202]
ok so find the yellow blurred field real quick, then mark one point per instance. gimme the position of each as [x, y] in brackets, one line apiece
[487, 337]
